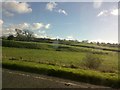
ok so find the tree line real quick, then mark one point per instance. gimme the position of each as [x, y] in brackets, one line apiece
[27, 35]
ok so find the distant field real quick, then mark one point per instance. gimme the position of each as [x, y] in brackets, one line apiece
[43, 46]
[59, 47]
[105, 48]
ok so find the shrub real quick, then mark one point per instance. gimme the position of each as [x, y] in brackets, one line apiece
[92, 61]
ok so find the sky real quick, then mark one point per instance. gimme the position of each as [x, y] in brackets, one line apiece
[93, 21]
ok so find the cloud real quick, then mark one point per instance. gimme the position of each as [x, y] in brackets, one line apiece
[62, 11]
[41, 34]
[37, 26]
[47, 26]
[8, 30]
[113, 12]
[34, 26]
[9, 8]
[51, 5]
[19, 26]
[103, 41]
[11, 29]
[97, 4]
[9, 14]
[103, 13]
[37, 36]
[1, 22]
[69, 38]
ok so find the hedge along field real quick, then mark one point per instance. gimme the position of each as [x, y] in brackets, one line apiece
[88, 76]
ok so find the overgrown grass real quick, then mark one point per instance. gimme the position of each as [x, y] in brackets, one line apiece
[92, 61]
[89, 76]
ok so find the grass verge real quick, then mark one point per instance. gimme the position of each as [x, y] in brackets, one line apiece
[88, 76]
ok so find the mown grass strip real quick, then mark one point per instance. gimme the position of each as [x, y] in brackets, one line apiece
[89, 76]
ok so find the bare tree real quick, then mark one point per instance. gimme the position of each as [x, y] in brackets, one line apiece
[25, 35]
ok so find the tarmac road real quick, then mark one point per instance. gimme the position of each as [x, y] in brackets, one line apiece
[19, 79]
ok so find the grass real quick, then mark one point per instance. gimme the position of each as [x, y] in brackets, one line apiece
[49, 46]
[98, 46]
[92, 61]
[67, 59]
[89, 76]
[62, 61]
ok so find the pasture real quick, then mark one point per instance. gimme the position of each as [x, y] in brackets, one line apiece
[64, 57]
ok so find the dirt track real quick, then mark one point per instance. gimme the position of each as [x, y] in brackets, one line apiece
[18, 79]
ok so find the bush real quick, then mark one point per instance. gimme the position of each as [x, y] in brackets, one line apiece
[92, 61]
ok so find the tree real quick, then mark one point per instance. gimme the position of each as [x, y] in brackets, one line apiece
[85, 41]
[4, 37]
[19, 35]
[28, 34]
[10, 37]
[24, 35]
[18, 32]
[98, 43]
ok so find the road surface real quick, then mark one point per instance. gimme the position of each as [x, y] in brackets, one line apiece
[19, 79]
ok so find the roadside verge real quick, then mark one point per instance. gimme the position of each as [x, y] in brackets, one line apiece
[88, 76]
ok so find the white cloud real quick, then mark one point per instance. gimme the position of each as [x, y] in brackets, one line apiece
[20, 26]
[24, 26]
[103, 41]
[97, 3]
[47, 26]
[15, 7]
[62, 11]
[7, 31]
[37, 36]
[69, 38]
[9, 14]
[40, 36]
[51, 5]
[113, 12]
[36, 26]
[1, 22]
[103, 13]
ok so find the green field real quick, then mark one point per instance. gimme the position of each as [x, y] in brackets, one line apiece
[61, 57]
